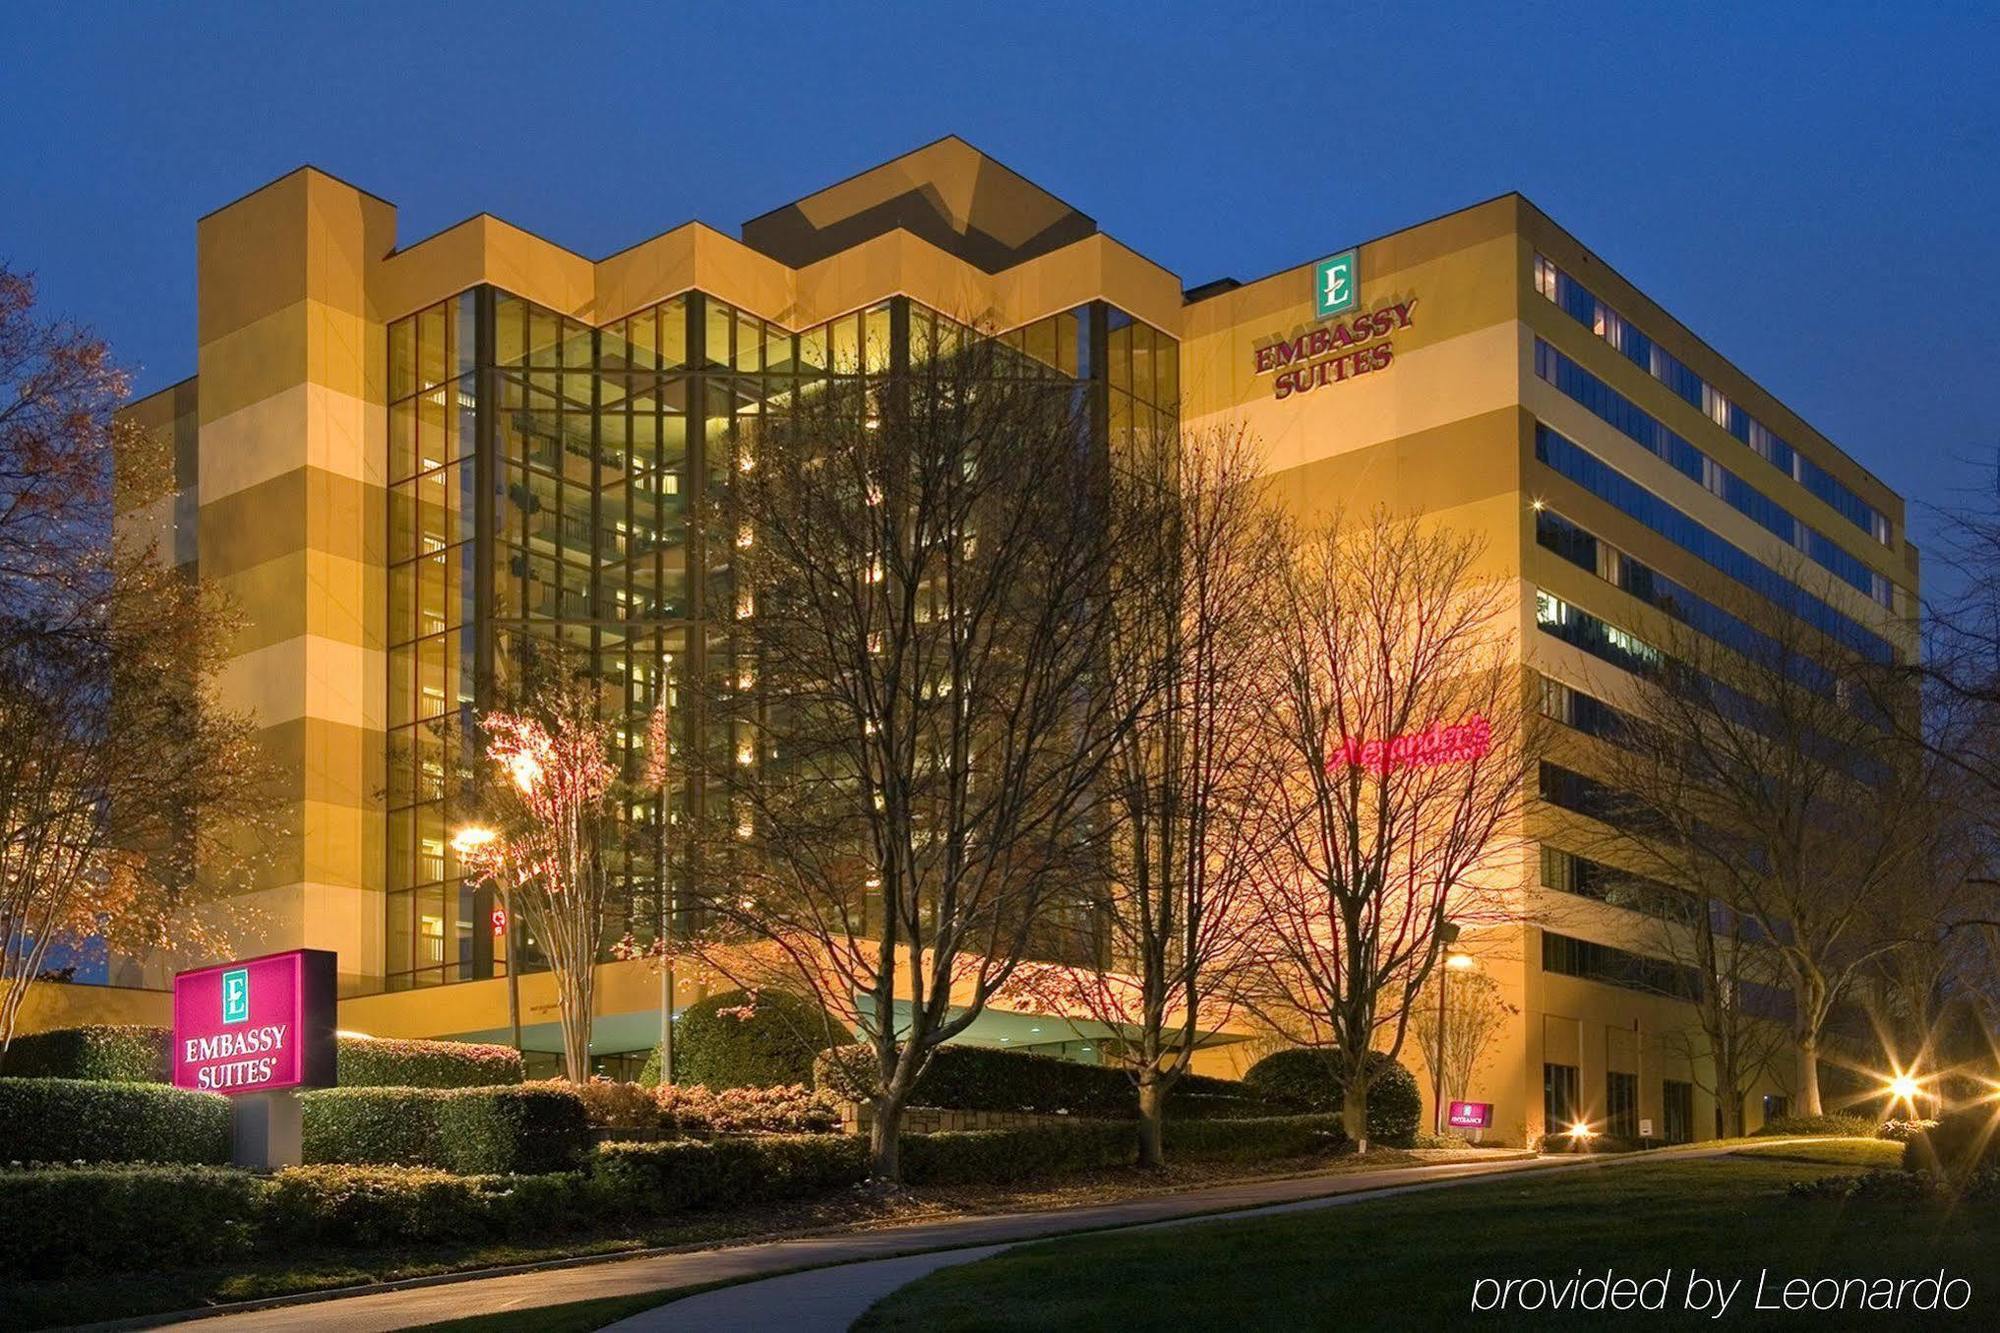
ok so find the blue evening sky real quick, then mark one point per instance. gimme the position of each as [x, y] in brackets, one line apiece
[1812, 188]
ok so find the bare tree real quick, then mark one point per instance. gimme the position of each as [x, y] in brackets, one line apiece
[1398, 724]
[1187, 655]
[906, 810]
[1474, 1014]
[125, 794]
[1770, 783]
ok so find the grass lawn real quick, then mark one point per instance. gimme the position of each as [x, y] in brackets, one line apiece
[1412, 1261]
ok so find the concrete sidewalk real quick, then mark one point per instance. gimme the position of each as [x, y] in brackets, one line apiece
[434, 1300]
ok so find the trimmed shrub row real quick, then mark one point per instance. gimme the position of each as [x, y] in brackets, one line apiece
[384, 1062]
[1844, 1126]
[116, 1053]
[73, 1220]
[1306, 1077]
[138, 1054]
[526, 1130]
[980, 1078]
[68, 1120]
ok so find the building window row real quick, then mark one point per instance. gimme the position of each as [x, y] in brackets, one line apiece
[1594, 635]
[1582, 877]
[1586, 550]
[1586, 959]
[1579, 465]
[1581, 305]
[1629, 419]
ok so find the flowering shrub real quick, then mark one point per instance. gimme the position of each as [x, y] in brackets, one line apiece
[1902, 1131]
[698, 1113]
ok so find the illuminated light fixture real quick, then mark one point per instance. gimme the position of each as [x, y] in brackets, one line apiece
[1460, 962]
[1904, 1088]
[471, 838]
[358, 1036]
[1582, 1130]
[1034, 1029]
[1539, 505]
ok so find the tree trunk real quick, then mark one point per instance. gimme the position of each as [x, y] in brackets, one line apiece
[1354, 1112]
[885, 1131]
[1809, 1103]
[1152, 1121]
[573, 1002]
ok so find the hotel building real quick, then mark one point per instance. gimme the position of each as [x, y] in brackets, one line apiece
[404, 458]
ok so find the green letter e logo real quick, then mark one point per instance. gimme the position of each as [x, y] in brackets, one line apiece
[1335, 285]
[236, 996]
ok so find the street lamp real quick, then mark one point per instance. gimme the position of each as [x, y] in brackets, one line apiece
[1454, 961]
[468, 842]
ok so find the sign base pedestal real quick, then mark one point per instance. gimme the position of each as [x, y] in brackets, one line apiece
[266, 1129]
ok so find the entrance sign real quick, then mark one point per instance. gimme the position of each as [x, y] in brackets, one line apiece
[1470, 1115]
[257, 1025]
[1336, 284]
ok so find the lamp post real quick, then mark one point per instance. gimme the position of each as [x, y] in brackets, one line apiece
[1454, 961]
[471, 839]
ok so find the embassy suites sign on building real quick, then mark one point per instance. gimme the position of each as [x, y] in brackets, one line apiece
[1347, 344]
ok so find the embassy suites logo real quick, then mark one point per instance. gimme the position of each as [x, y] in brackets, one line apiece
[1345, 345]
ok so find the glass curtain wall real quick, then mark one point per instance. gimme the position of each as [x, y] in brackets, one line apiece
[433, 927]
[545, 475]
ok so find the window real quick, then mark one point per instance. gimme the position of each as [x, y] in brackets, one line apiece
[1586, 309]
[1629, 497]
[1599, 638]
[1590, 961]
[1585, 712]
[1586, 550]
[1677, 1111]
[1560, 1107]
[1566, 872]
[1621, 1105]
[1776, 1106]
[1584, 388]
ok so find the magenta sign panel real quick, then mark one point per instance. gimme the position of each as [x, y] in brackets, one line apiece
[1470, 1115]
[256, 1025]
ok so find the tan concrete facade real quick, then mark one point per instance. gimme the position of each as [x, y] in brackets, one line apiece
[281, 469]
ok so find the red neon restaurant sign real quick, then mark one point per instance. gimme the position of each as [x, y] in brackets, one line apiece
[256, 1025]
[1440, 745]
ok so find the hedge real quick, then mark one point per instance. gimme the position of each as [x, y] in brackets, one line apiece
[1842, 1126]
[512, 1131]
[528, 1129]
[383, 1062]
[138, 1054]
[371, 1126]
[648, 1179]
[70, 1120]
[735, 1040]
[981, 1078]
[65, 1220]
[95, 1219]
[1305, 1077]
[1959, 1144]
[116, 1053]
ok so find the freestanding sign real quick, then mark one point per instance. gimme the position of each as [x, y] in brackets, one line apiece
[257, 1030]
[1470, 1115]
